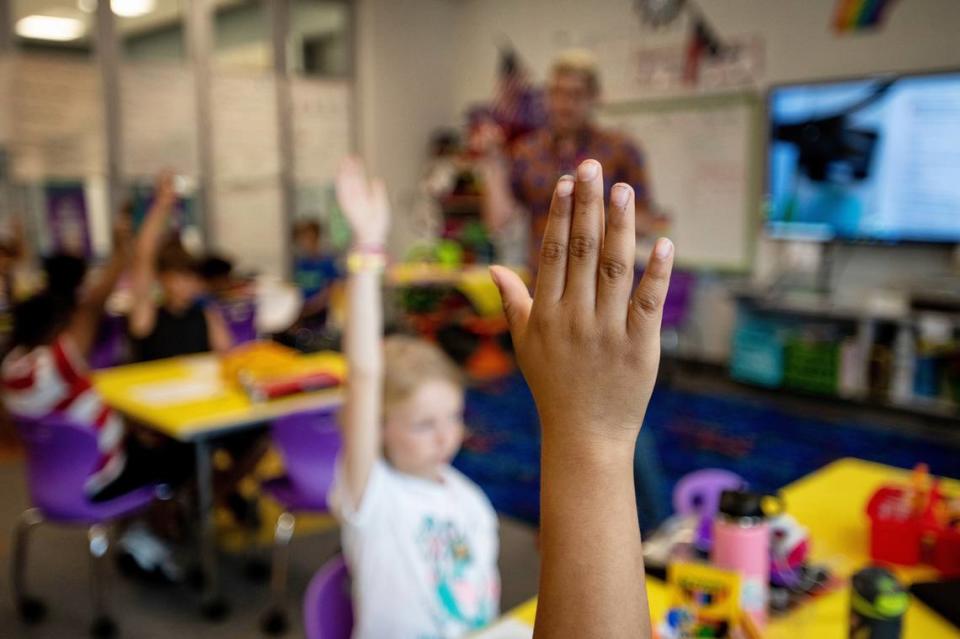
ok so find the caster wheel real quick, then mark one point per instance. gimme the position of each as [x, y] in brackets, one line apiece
[274, 622]
[215, 610]
[31, 610]
[103, 628]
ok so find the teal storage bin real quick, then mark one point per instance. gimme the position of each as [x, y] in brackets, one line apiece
[757, 353]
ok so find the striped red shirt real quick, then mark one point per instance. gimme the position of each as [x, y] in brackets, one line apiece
[55, 379]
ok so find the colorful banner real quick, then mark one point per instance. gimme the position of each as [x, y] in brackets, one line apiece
[856, 15]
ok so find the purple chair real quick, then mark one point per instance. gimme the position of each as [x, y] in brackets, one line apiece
[240, 315]
[60, 457]
[309, 443]
[677, 304]
[698, 493]
[110, 346]
[327, 608]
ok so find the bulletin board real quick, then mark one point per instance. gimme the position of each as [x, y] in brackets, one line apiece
[703, 163]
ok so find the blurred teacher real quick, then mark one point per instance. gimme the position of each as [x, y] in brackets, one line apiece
[521, 181]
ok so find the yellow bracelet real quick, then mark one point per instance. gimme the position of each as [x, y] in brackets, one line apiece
[363, 261]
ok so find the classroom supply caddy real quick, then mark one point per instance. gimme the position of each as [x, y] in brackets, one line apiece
[916, 524]
[266, 370]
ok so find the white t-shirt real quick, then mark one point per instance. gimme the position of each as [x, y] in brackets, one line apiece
[422, 555]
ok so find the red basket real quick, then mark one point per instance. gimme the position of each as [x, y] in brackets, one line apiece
[946, 553]
[895, 536]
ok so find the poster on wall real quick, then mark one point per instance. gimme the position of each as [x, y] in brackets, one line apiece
[67, 218]
[633, 72]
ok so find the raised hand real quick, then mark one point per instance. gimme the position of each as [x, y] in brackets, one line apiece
[364, 203]
[123, 237]
[587, 346]
[165, 195]
[589, 349]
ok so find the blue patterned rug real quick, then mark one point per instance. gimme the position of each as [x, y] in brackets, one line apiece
[752, 437]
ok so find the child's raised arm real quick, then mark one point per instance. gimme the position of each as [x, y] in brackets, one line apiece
[590, 351]
[365, 206]
[144, 312]
[86, 320]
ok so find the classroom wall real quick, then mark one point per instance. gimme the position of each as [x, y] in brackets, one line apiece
[405, 73]
[799, 45]
[920, 34]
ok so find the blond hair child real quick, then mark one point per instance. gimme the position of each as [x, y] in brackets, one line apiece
[420, 539]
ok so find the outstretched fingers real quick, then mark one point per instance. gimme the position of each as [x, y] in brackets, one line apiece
[552, 273]
[646, 303]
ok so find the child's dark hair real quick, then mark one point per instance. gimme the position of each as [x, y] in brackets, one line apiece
[65, 274]
[308, 225]
[214, 267]
[39, 319]
[174, 258]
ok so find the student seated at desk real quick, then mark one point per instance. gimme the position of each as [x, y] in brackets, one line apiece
[314, 272]
[183, 323]
[419, 537]
[46, 372]
[180, 324]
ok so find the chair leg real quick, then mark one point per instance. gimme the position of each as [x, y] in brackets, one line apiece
[274, 620]
[30, 609]
[98, 543]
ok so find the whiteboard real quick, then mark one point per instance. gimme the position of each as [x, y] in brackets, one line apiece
[702, 162]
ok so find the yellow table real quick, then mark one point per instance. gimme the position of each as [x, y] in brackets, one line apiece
[831, 502]
[187, 399]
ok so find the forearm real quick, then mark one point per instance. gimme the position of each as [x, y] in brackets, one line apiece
[364, 354]
[592, 583]
[151, 232]
[100, 292]
[86, 321]
[498, 201]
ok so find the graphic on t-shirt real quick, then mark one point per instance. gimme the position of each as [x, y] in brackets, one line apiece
[447, 552]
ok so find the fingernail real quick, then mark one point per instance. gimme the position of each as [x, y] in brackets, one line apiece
[494, 276]
[565, 186]
[663, 249]
[588, 170]
[620, 195]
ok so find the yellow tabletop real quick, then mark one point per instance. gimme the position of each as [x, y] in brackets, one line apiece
[186, 398]
[831, 502]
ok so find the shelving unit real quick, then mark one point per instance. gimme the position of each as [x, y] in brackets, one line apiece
[907, 360]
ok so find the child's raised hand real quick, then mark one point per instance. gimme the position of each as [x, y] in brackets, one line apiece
[363, 202]
[123, 236]
[588, 347]
[165, 194]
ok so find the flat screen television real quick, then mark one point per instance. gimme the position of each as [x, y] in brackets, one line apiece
[874, 159]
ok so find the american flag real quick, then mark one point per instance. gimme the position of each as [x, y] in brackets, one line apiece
[517, 104]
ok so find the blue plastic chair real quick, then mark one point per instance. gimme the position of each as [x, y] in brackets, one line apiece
[309, 443]
[60, 457]
[327, 607]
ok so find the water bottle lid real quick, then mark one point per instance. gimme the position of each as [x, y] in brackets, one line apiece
[877, 594]
[740, 504]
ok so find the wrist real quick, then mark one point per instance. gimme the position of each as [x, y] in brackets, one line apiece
[589, 449]
[366, 258]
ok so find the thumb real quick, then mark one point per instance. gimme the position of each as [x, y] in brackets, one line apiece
[516, 299]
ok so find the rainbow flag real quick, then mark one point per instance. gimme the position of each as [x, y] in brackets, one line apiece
[854, 15]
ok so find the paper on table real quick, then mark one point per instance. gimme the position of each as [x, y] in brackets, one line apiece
[179, 391]
[506, 629]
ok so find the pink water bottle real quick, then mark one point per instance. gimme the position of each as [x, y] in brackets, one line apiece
[741, 543]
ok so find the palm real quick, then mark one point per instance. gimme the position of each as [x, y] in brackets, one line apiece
[363, 202]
